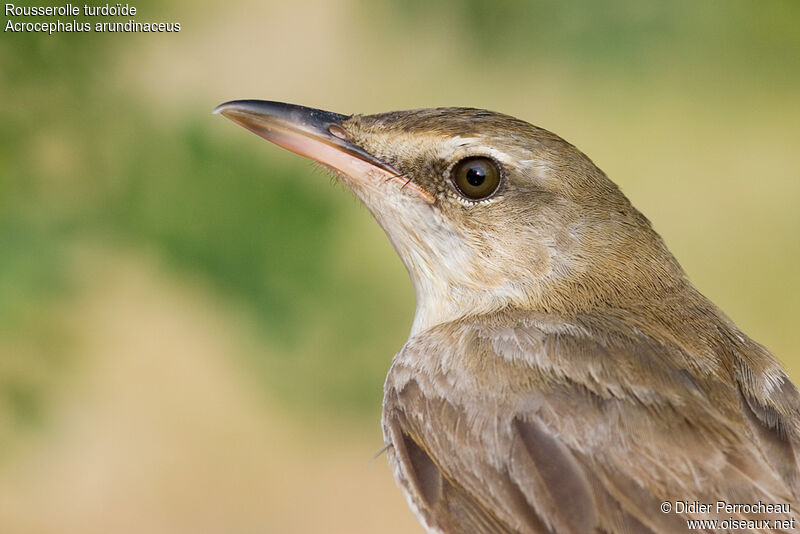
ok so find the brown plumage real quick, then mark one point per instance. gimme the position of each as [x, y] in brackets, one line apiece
[562, 374]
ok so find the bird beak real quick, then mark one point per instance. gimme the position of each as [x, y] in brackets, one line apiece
[318, 135]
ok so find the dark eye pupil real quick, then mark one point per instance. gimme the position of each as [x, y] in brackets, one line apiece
[476, 176]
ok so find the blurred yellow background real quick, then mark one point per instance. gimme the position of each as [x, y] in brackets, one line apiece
[195, 326]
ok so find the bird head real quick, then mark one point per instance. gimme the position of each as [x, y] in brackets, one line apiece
[486, 211]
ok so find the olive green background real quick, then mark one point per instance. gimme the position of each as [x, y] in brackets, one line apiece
[195, 325]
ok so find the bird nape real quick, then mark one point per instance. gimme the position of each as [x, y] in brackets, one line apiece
[562, 375]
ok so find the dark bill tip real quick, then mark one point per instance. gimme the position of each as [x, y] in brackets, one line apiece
[292, 113]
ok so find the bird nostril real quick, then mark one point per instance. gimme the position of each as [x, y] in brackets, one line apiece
[339, 132]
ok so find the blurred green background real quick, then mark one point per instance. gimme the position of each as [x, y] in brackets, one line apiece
[195, 325]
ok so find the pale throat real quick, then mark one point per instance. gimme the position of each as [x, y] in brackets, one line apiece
[451, 279]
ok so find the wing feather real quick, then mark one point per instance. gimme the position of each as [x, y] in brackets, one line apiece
[538, 429]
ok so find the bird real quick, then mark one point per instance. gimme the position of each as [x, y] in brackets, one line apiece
[562, 374]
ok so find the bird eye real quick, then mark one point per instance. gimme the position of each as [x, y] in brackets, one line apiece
[476, 178]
